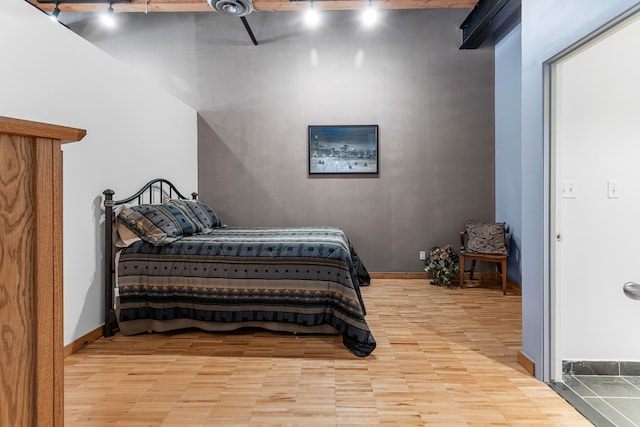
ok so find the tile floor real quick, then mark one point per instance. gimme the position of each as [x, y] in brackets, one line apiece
[606, 395]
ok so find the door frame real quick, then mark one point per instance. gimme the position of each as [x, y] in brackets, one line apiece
[553, 166]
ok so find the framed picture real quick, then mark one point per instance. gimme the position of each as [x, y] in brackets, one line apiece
[343, 149]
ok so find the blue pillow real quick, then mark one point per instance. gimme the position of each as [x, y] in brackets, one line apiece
[199, 212]
[159, 225]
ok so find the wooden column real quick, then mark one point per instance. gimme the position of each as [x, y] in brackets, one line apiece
[31, 322]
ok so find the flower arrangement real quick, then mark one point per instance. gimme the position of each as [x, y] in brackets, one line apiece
[442, 265]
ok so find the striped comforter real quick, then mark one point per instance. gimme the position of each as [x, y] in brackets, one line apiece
[304, 276]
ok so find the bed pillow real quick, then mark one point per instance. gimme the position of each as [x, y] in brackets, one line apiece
[158, 225]
[199, 212]
[486, 238]
[123, 236]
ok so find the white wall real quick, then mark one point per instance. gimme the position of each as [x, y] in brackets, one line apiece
[597, 139]
[135, 132]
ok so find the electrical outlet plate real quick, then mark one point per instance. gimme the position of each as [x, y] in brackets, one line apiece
[423, 255]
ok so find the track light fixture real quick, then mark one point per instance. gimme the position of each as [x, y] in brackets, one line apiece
[369, 16]
[312, 17]
[107, 18]
[55, 13]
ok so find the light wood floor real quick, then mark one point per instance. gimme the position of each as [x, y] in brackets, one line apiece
[444, 357]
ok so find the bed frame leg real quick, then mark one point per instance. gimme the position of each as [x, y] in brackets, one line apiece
[108, 263]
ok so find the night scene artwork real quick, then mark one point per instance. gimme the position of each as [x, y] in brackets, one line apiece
[343, 149]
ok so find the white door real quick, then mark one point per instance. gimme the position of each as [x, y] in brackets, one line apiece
[595, 149]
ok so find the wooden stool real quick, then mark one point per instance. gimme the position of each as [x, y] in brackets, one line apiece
[500, 260]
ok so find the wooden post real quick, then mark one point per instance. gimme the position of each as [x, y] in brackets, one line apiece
[31, 291]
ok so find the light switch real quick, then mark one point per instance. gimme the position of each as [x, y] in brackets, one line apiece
[613, 189]
[569, 189]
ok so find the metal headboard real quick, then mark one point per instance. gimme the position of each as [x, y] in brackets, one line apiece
[154, 191]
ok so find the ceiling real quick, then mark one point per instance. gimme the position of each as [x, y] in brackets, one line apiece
[258, 5]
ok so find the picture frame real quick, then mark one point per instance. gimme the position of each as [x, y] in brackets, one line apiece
[343, 150]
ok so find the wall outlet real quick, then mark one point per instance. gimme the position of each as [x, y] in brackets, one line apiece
[423, 255]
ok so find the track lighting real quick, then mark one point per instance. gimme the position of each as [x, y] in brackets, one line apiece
[369, 16]
[55, 13]
[312, 16]
[107, 17]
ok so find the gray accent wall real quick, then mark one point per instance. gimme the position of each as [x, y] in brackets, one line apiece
[434, 105]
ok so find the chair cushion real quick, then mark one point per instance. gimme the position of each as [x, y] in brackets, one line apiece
[486, 238]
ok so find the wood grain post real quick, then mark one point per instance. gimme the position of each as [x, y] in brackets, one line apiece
[31, 293]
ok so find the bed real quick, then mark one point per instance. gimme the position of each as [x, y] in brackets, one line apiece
[171, 264]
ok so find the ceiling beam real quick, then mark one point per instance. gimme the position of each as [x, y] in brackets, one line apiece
[258, 5]
[489, 21]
